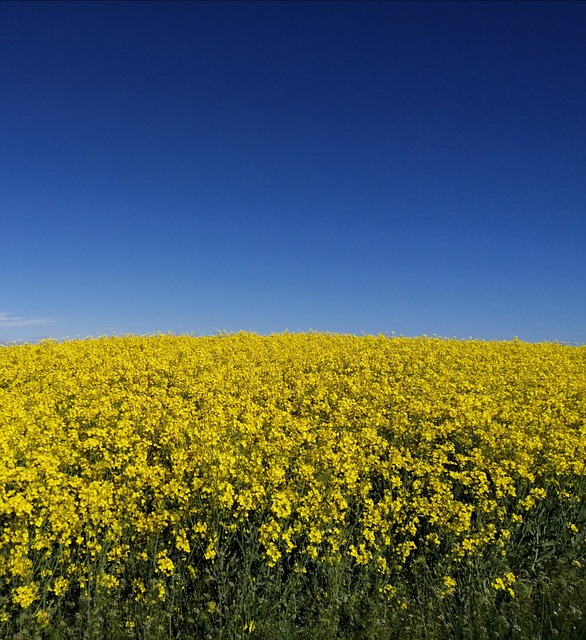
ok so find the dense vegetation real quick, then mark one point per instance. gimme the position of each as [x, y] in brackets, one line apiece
[292, 486]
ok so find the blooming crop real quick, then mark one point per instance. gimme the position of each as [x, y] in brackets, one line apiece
[125, 460]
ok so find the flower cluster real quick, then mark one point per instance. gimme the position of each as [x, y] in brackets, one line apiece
[124, 460]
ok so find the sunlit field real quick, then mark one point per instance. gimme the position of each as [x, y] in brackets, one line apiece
[292, 486]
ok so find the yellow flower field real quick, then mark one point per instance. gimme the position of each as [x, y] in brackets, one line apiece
[131, 463]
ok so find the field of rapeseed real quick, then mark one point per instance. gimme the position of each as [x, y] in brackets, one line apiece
[296, 485]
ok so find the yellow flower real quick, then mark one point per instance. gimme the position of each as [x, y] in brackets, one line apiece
[139, 589]
[160, 591]
[449, 586]
[181, 541]
[504, 583]
[25, 596]
[60, 586]
[389, 591]
[165, 564]
[108, 581]
[211, 606]
[210, 553]
[42, 618]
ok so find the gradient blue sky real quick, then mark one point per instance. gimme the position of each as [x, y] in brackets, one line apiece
[355, 167]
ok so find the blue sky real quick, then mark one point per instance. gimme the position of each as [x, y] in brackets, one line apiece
[353, 167]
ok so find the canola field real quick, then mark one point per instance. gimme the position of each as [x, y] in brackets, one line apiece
[158, 484]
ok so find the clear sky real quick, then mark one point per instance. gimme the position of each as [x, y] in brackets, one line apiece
[353, 167]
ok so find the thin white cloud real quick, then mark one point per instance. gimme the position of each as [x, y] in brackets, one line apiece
[6, 320]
